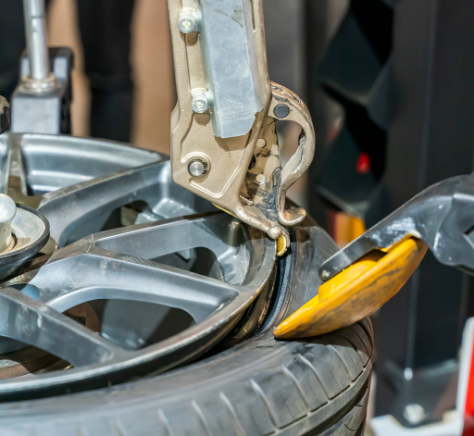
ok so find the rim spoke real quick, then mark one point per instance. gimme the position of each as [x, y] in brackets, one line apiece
[99, 274]
[26, 320]
[216, 231]
[68, 208]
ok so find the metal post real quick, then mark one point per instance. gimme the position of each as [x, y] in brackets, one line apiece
[40, 77]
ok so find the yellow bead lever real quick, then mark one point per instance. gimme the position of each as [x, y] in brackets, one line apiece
[356, 291]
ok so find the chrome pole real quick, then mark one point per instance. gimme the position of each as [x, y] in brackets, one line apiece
[37, 47]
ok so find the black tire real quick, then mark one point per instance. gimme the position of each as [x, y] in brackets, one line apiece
[259, 387]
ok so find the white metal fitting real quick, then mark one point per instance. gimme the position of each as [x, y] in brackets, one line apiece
[200, 101]
[188, 21]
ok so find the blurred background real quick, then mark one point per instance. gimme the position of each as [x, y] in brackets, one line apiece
[390, 85]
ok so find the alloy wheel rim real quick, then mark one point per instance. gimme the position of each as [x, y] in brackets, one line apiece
[120, 263]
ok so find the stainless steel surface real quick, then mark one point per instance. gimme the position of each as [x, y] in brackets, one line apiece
[7, 213]
[77, 184]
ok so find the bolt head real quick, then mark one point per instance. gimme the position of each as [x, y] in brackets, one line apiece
[187, 22]
[197, 168]
[281, 111]
[261, 179]
[200, 105]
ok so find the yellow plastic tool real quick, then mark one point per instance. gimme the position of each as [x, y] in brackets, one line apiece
[356, 291]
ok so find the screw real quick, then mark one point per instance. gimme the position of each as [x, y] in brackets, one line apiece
[260, 179]
[414, 413]
[281, 111]
[261, 143]
[200, 105]
[197, 168]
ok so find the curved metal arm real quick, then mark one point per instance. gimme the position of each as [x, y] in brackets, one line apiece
[442, 216]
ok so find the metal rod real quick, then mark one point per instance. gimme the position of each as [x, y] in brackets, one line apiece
[37, 47]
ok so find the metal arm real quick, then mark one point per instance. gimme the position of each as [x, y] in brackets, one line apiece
[224, 145]
[442, 216]
[36, 39]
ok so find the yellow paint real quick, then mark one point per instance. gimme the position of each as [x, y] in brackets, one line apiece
[355, 292]
[281, 246]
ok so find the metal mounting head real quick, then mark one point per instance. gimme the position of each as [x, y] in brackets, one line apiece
[227, 109]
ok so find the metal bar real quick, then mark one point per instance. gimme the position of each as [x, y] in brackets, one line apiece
[35, 28]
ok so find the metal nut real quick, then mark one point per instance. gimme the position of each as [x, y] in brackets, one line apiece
[197, 168]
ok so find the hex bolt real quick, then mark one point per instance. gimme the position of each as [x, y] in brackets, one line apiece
[261, 179]
[200, 104]
[281, 111]
[197, 168]
[187, 22]
[414, 413]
